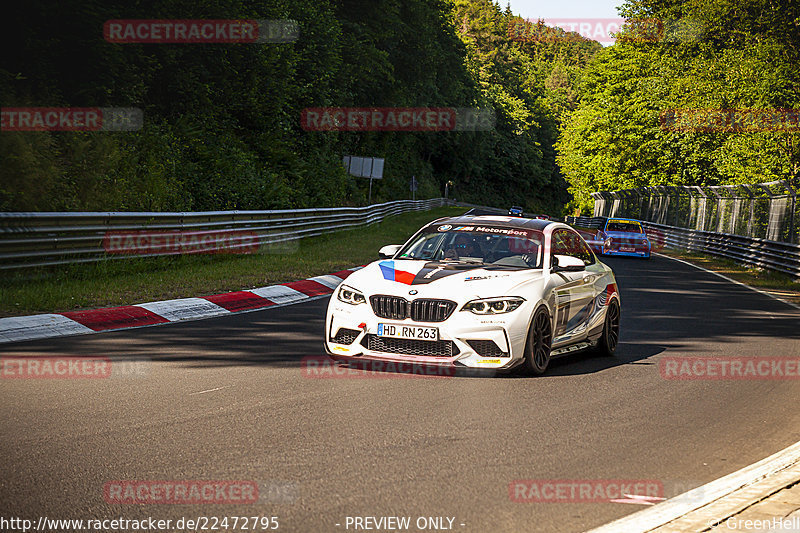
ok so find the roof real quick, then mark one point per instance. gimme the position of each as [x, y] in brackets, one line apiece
[498, 221]
[623, 219]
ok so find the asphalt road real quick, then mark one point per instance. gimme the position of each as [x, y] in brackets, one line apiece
[227, 399]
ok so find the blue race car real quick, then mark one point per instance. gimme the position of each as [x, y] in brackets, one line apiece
[621, 236]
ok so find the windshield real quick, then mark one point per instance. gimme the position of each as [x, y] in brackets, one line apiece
[501, 246]
[624, 226]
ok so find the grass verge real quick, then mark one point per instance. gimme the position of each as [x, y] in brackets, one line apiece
[774, 283]
[131, 281]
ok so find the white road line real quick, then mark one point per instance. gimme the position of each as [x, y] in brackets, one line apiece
[638, 500]
[658, 515]
[790, 304]
[205, 391]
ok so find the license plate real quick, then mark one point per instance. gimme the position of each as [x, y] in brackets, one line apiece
[399, 331]
[623, 249]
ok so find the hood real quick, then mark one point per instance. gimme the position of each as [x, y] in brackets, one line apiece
[439, 279]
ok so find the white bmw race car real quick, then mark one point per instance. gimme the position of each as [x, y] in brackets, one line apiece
[490, 292]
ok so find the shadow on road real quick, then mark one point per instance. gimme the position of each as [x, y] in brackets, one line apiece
[665, 305]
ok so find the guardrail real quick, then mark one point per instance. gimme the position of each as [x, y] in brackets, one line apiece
[759, 210]
[42, 239]
[772, 255]
[502, 211]
[586, 222]
[495, 210]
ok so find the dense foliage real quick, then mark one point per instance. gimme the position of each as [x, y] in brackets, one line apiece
[222, 121]
[713, 54]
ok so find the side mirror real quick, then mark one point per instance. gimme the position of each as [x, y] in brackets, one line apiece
[567, 263]
[388, 251]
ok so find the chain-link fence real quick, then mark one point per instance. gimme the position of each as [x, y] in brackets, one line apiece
[763, 211]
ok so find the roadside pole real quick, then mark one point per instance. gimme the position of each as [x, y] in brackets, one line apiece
[364, 167]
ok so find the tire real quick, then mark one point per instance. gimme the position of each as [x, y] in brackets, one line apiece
[607, 344]
[540, 339]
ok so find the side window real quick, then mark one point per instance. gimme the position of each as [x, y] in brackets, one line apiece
[580, 249]
[559, 244]
[567, 242]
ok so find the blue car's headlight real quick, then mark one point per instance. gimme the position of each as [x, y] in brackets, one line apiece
[493, 306]
[350, 295]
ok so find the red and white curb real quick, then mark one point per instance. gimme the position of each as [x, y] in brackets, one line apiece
[24, 328]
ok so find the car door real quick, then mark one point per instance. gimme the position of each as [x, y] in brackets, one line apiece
[575, 291]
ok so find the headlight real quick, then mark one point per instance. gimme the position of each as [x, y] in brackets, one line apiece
[493, 306]
[350, 296]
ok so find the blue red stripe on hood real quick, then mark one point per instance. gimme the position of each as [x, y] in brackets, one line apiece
[392, 274]
[428, 273]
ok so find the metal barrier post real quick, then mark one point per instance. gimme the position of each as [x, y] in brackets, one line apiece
[793, 195]
[727, 241]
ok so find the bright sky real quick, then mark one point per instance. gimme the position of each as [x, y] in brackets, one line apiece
[590, 18]
[563, 8]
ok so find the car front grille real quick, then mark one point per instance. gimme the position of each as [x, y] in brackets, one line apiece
[628, 242]
[423, 310]
[487, 348]
[393, 307]
[410, 346]
[420, 310]
[345, 336]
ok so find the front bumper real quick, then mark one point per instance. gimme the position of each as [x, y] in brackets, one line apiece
[626, 246]
[465, 339]
[635, 253]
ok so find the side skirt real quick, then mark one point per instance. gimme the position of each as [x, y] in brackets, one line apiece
[572, 348]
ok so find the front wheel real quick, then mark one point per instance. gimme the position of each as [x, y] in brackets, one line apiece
[540, 339]
[610, 337]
